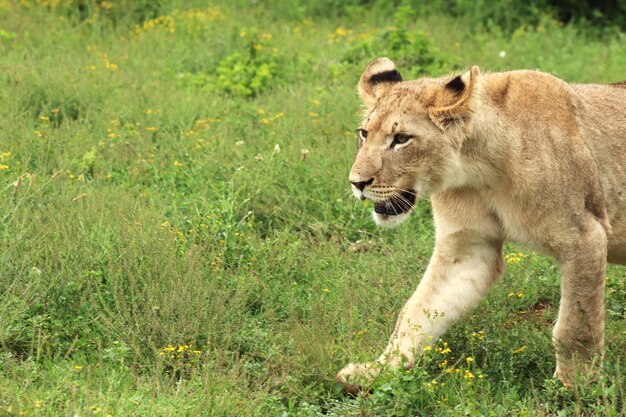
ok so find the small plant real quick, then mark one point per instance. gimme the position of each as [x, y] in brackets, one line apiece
[4, 159]
[180, 360]
[6, 36]
[88, 162]
[247, 72]
[412, 50]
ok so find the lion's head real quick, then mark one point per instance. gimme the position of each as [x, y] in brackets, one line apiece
[410, 139]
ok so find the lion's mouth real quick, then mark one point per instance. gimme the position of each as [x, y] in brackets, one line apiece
[398, 204]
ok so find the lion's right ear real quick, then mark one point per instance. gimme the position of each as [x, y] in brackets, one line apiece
[380, 75]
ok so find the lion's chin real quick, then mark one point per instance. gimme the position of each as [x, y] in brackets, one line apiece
[390, 220]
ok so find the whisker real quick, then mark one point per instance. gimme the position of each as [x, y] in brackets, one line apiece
[398, 197]
[402, 198]
[408, 192]
[421, 197]
[416, 212]
[402, 201]
[346, 194]
[405, 203]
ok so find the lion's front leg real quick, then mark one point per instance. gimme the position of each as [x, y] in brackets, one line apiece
[579, 331]
[461, 271]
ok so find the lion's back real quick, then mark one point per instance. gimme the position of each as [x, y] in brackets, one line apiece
[603, 125]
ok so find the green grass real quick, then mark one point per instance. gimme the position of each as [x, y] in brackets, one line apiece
[169, 247]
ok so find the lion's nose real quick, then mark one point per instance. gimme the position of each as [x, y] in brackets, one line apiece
[361, 184]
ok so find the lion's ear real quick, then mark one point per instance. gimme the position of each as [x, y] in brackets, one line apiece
[457, 100]
[380, 75]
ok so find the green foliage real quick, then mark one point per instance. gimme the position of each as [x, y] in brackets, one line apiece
[413, 51]
[113, 12]
[88, 163]
[255, 68]
[6, 36]
[507, 15]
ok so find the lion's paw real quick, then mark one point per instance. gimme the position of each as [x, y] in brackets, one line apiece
[358, 377]
[565, 375]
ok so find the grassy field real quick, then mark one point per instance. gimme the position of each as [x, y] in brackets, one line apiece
[177, 232]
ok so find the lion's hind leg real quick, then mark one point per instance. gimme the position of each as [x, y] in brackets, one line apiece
[617, 243]
[579, 331]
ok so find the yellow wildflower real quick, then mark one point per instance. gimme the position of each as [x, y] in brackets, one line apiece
[520, 349]
[340, 31]
[445, 350]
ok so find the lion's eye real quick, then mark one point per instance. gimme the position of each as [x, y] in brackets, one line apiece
[400, 138]
[361, 140]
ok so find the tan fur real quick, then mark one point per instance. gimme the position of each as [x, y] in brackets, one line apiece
[520, 156]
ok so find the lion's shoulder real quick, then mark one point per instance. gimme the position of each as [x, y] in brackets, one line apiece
[531, 89]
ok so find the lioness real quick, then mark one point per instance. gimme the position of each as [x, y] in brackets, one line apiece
[520, 156]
